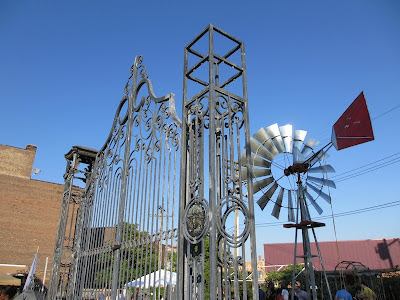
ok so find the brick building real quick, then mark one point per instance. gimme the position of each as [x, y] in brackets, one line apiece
[29, 210]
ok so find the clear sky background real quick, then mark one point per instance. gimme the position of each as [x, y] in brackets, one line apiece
[63, 67]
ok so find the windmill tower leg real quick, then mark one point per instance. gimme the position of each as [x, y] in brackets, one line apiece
[322, 264]
[305, 225]
[294, 264]
[308, 262]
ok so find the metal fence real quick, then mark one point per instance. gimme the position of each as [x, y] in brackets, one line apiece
[164, 211]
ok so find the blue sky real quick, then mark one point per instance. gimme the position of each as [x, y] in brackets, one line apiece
[64, 65]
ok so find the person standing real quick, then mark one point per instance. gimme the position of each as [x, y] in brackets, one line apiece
[367, 293]
[121, 295]
[285, 292]
[261, 293]
[343, 295]
[279, 294]
[299, 293]
[102, 295]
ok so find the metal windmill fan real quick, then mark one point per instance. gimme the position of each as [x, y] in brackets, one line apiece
[282, 164]
[281, 159]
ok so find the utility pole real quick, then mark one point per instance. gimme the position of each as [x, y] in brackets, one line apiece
[236, 250]
[161, 217]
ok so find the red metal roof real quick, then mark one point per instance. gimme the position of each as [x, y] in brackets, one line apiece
[377, 254]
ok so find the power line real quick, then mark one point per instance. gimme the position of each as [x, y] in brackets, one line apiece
[342, 214]
[365, 165]
[342, 177]
[389, 163]
[362, 210]
[388, 111]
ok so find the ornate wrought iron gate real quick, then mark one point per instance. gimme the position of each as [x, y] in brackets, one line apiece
[126, 236]
[127, 227]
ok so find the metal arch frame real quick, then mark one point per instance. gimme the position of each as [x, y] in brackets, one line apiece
[148, 129]
[350, 263]
[201, 113]
[138, 114]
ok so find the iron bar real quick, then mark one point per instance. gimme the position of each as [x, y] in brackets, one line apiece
[249, 177]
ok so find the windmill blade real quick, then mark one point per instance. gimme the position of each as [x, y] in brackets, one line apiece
[274, 133]
[320, 193]
[322, 181]
[258, 161]
[255, 161]
[260, 150]
[309, 146]
[278, 204]
[322, 169]
[298, 138]
[262, 137]
[297, 156]
[316, 206]
[258, 185]
[290, 207]
[243, 159]
[321, 154]
[286, 134]
[256, 173]
[262, 202]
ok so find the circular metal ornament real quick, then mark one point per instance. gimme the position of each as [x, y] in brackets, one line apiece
[233, 204]
[195, 220]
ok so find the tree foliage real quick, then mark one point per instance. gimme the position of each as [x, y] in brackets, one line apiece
[285, 275]
[140, 259]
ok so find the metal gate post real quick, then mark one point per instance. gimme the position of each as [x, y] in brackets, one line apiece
[221, 108]
[211, 174]
[87, 156]
[67, 240]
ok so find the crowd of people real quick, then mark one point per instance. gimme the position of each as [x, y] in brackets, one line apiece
[284, 293]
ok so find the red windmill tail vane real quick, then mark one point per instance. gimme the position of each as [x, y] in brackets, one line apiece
[354, 126]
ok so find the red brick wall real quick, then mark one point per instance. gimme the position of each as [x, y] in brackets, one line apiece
[29, 210]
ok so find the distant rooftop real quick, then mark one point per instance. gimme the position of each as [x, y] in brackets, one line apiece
[375, 254]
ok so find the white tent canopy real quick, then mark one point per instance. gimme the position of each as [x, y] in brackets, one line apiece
[157, 278]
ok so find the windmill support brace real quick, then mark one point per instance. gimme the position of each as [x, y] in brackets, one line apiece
[305, 225]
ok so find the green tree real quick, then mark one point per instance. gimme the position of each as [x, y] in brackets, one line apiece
[285, 275]
[139, 259]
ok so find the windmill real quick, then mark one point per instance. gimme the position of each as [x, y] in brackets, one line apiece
[291, 174]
